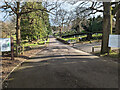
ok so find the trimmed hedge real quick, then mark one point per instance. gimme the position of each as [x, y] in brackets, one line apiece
[63, 41]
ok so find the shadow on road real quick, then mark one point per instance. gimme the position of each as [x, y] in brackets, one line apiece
[58, 56]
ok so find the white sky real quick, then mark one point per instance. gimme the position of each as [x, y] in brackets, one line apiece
[66, 6]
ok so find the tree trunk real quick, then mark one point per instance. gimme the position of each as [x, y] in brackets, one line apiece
[18, 36]
[78, 29]
[106, 27]
[117, 27]
[89, 36]
[60, 32]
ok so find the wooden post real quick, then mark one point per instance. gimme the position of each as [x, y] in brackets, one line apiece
[12, 48]
[93, 49]
[23, 49]
[119, 53]
[16, 50]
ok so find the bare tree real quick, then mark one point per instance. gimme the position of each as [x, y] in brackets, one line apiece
[94, 7]
[8, 28]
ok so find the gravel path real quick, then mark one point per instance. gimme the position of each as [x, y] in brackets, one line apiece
[60, 66]
[87, 47]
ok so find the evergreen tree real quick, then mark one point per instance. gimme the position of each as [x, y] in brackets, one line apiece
[35, 25]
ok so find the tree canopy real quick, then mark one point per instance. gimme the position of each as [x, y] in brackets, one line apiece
[93, 24]
[36, 24]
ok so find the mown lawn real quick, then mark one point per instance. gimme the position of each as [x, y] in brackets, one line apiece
[97, 35]
[25, 43]
[84, 36]
[35, 44]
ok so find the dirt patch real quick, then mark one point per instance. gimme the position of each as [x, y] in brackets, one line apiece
[8, 64]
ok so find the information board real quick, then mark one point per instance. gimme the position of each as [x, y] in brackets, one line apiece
[114, 41]
[5, 44]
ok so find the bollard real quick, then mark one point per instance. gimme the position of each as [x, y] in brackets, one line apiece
[93, 49]
[118, 55]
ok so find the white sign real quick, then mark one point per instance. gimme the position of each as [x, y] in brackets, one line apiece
[114, 41]
[5, 44]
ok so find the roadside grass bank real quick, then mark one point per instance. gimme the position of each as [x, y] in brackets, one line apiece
[113, 54]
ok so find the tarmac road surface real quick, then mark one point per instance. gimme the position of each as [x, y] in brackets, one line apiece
[61, 66]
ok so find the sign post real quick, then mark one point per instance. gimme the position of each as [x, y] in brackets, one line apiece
[12, 49]
[114, 41]
[6, 44]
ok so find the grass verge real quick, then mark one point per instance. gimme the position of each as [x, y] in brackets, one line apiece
[112, 54]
